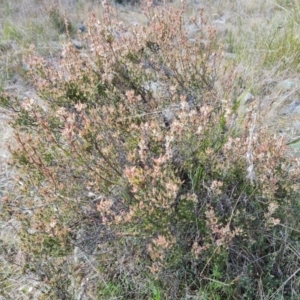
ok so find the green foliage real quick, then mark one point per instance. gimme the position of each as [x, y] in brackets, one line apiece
[274, 45]
[156, 294]
[110, 291]
[134, 172]
[60, 22]
[283, 45]
[10, 32]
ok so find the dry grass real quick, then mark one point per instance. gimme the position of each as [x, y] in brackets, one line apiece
[252, 34]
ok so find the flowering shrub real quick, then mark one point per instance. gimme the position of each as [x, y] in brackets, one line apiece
[134, 171]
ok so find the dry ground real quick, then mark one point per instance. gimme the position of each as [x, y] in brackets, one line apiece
[251, 33]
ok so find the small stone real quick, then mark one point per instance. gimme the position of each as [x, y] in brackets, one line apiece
[287, 85]
[248, 98]
[81, 28]
[25, 67]
[292, 108]
[77, 44]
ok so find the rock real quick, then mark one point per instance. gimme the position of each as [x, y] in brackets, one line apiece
[156, 88]
[169, 114]
[220, 20]
[25, 67]
[292, 108]
[248, 98]
[286, 85]
[81, 27]
[77, 44]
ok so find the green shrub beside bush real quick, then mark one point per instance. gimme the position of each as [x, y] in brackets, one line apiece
[134, 161]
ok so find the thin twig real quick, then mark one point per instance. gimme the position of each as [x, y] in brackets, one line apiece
[282, 286]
